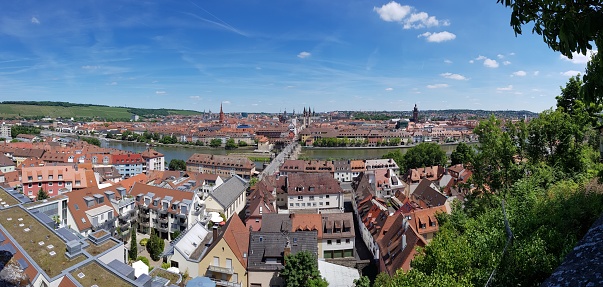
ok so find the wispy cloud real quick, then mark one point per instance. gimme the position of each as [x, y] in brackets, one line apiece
[447, 61]
[507, 88]
[160, 92]
[500, 56]
[226, 102]
[453, 76]
[438, 37]
[221, 24]
[389, 89]
[506, 63]
[195, 97]
[408, 16]
[304, 55]
[536, 73]
[437, 86]
[519, 74]
[35, 20]
[490, 63]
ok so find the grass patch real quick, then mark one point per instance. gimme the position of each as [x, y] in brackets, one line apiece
[173, 277]
[98, 249]
[9, 199]
[95, 274]
[259, 159]
[29, 241]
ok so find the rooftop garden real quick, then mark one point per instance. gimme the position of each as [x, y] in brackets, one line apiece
[94, 274]
[94, 249]
[42, 245]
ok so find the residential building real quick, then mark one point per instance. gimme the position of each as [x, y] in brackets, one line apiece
[6, 164]
[397, 242]
[126, 210]
[154, 160]
[229, 198]
[338, 234]
[128, 165]
[221, 165]
[259, 202]
[27, 138]
[188, 249]
[5, 131]
[225, 261]
[371, 213]
[90, 211]
[343, 170]
[55, 179]
[165, 210]
[376, 164]
[427, 195]
[309, 166]
[302, 191]
[21, 154]
[267, 251]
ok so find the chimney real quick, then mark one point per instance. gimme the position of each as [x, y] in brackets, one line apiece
[215, 233]
[287, 250]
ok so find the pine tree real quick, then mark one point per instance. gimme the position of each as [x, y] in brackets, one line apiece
[42, 194]
[133, 245]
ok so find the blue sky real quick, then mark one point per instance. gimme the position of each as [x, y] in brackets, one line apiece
[270, 56]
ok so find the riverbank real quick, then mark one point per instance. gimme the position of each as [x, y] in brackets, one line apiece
[382, 147]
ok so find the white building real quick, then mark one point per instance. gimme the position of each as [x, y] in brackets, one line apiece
[154, 160]
[229, 198]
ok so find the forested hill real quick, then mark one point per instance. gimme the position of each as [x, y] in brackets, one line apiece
[34, 109]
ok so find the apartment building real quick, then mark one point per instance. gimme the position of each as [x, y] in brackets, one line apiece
[128, 165]
[302, 191]
[165, 210]
[154, 160]
[221, 165]
[90, 210]
[229, 198]
[55, 179]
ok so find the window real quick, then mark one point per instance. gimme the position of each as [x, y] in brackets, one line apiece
[39, 177]
[29, 185]
[311, 197]
[30, 178]
[77, 182]
[338, 241]
[39, 184]
[327, 196]
[304, 204]
[60, 176]
[50, 191]
[291, 204]
[328, 203]
[299, 197]
[216, 261]
[297, 204]
[50, 177]
[320, 203]
[329, 242]
[30, 192]
[60, 183]
[347, 241]
[50, 184]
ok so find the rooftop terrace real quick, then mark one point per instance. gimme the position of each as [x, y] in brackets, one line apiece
[94, 274]
[40, 243]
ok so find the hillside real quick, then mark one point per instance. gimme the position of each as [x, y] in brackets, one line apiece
[11, 109]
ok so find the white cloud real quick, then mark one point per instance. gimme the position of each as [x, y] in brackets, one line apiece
[438, 37]
[570, 73]
[226, 102]
[408, 16]
[453, 76]
[447, 61]
[35, 20]
[490, 63]
[507, 88]
[393, 11]
[500, 56]
[536, 73]
[112, 84]
[519, 74]
[480, 57]
[304, 55]
[160, 92]
[437, 86]
[578, 58]
[512, 54]
[389, 89]
[506, 63]
[194, 97]
[89, 67]
[470, 61]
[518, 93]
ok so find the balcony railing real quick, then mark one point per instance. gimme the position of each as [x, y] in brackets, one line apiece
[220, 269]
[163, 219]
[145, 214]
[124, 216]
[225, 283]
[162, 211]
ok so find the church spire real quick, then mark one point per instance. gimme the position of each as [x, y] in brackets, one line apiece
[221, 114]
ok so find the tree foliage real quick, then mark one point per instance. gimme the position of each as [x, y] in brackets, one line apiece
[17, 130]
[42, 194]
[423, 154]
[133, 252]
[155, 246]
[230, 144]
[177, 164]
[215, 143]
[363, 281]
[92, 141]
[301, 270]
[462, 154]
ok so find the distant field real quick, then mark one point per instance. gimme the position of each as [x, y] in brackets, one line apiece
[16, 110]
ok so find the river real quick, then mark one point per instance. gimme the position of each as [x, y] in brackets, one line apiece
[181, 152]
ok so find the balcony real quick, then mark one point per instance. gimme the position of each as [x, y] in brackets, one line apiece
[162, 211]
[163, 219]
[124, 216]
[145, 214]
[219, 269]
[145, 224]
[225, 283]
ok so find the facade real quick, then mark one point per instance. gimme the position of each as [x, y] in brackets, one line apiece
[343, 170]
[338, 235]
[128, 165]
[154, 160]
[229, 198]
[165, 210]
[302, 191]
[5, 131]
[54, 179]
[187, 250]
[221, 165]
[6, 164]
[90, 210]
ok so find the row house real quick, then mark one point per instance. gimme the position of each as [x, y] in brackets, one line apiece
[309, 166]
[221, 165]
[55, 179]
[165, 210]
[128, 165]
[6, 164]
[309, 191]
[433, 173]
[398, 242]
[259, 202]
[423, 220]
[376, 164]
[154, 160]
[20, 154]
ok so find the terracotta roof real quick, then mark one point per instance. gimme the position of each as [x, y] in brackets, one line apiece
[309, 184]
[307, 222]
[237, 237]
[220, 160]
[78, 207]
[397, 246]
[129, 182]
[151, 153]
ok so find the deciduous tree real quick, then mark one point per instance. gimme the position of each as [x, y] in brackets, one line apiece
[177, 164]
[301, 269]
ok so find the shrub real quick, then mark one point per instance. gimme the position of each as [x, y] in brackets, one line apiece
[144, 260]
[143, 242]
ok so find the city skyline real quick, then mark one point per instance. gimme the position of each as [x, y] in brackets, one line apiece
[272, 56]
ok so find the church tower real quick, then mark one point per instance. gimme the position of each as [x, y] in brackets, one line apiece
[415, 114]
[221, 114]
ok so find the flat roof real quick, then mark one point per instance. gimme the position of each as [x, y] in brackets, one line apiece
[35, 239]
[95, 274]
[7, 199]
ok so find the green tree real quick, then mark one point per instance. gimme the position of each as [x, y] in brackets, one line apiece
[362, 282]
[569, 94]
[93, 141]
[424, 154]
[155, 246]
[462, 154]
[230, 144]
[144, 260]
[242, 143]
[177, 164]
[133, 252]
[42, 194]
[397, 156]
[215, 143]
[301, 269]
